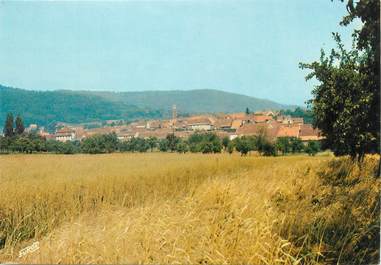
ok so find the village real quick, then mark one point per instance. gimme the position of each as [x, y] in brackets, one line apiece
[230, 125]
[190, 132]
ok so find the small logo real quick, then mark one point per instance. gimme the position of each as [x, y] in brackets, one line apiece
[29, 249]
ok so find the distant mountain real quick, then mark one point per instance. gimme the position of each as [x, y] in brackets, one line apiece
[47, 107]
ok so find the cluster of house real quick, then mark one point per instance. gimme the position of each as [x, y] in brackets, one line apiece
[230, 125]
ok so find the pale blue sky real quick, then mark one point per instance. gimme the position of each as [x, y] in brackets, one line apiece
[248, 47]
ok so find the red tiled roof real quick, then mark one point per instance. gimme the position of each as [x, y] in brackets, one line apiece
[261, 118]
[307, 133]
[159, 133]
[220, 123]
[256, 128]
[65, 130]
[103, 130]
[286, 131]
[199, 120]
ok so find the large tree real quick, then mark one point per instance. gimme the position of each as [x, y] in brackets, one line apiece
[346, 100]
[19, 125]
[8, 126]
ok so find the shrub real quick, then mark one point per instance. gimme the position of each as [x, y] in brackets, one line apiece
[182, 147]
[135, 145]
[163, 145]
[172, 141]
[225, 142]
[268, 149]
[205, 143]
[97, 144]
[243, 145]
[312, 148]
[283, 144]
[230, 147]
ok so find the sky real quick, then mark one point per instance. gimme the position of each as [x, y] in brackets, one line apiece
[246, 47]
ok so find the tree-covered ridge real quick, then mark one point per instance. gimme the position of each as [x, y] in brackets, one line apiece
[47, 107]
[194, 101]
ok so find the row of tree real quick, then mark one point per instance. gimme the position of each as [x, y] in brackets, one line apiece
[16, 140]
[196, 143]
[12, 127]
[283, 145]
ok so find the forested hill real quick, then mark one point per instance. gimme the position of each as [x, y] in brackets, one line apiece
[46, 107]
[193, 101]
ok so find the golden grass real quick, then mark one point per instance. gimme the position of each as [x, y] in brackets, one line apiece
[189, 208]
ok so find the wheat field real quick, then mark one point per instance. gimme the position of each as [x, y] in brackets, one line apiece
[188, 208]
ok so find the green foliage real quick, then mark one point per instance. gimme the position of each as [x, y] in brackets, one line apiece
[346, 103]
[68, 148]
[163, 145]
[341, 213]
[296, 145]
[312, 148]
[204, 142]
[8, 126]
[47, 107]
[39, 143]
[225, 142]
[19, 125]
[152, 142]
[203, 100]
[283, 145]
[31, 143]
[245, 144]
[198, 142]
[260, 140]
[306, 114]
[194, 142]
[172, 141]
[268, 149]
[230, 147]
[289, 145]
[98, 144]
[4, 144]
[136, 145]
[264, 145]
[182, 147]
[22, 145]
[206, 147]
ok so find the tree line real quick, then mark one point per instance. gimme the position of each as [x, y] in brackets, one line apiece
[15, 139]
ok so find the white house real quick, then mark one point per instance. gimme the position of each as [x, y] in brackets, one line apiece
[65, 134]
